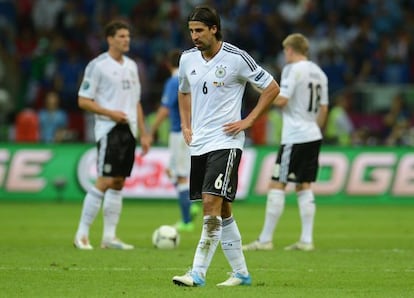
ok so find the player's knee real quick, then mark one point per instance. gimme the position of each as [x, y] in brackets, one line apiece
[226, 210]
[117, 183]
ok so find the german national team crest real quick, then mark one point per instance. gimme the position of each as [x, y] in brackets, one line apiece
[220, 71]
[85, 85]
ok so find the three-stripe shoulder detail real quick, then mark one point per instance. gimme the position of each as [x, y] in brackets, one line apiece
[192, 50]
[246, 57]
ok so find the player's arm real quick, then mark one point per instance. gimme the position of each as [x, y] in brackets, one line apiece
[168, 100]
[145, 138]
[265, 101]
[92, 106]
[184, 103]
[322, 116]
[280, 101]
[162, 114]
[323, 109]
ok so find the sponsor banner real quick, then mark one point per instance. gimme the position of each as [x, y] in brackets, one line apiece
[149, 179]
[67, 171]
[40, 172]
[377, 174]
[64, 172]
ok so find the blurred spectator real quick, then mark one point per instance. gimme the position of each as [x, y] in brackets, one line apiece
[53, 121]
[360, 51]
[292, 11]
[339, 127]
[5, 108]
[67, 78]
[8, 20]
[45, 13]
[396, 122]
[40, 75]
[27, 126]
[334, 65]
[25, 45]
[44, 43]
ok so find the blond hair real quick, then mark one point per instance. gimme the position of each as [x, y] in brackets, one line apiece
[298, 42]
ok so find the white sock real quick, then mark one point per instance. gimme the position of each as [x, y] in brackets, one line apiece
[307, 210]
[231, 245]
[112, 207]
[210, 236]
[90, 208]
[274, 208]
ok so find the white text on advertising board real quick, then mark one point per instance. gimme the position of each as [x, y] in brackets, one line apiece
[367, 174]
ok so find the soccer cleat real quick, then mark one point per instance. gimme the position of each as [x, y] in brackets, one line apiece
[300, 246]
[256, 245]
[184, 227]
[116, 244]
[82, 244]
[236, 279]
[190, 279]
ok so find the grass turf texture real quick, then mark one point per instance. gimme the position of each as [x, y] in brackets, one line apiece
[361, 251]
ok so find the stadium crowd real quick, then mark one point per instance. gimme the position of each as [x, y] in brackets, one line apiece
[45, 45]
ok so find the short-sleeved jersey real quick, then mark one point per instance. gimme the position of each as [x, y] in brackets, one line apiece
[169, 100]
[305, 86]
[217, 88]
[113, 86]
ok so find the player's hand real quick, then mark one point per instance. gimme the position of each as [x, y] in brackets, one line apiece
[234, 128]
[119, 117]
[146, 141]
[188, 135]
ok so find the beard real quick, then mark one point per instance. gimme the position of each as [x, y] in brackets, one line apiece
[202, 47]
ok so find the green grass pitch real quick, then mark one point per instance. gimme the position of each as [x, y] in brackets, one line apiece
[361, 251]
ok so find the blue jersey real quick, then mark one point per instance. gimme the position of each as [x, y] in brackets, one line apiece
[170, 100]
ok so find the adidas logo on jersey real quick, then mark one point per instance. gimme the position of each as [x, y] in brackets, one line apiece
[193, 73]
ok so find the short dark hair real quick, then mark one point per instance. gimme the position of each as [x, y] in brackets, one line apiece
[112, 27]
[208, 16]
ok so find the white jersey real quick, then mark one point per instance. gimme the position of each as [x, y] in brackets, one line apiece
[217, 88]
[305, 86]
[113, 86]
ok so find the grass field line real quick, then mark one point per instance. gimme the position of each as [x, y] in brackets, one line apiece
[56, 268]
[354, 236]
[362, 250]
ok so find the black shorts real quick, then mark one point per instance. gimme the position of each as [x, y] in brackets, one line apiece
[116, 152]
[215, 173]
[297, 163]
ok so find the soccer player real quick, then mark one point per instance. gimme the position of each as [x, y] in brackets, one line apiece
[212, 80]
[303, 99]
[179, 164]
[111, 90]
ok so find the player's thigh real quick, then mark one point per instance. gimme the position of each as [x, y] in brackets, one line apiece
[180, 155]
[197, 173]
[307, 162]
[221, 177]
